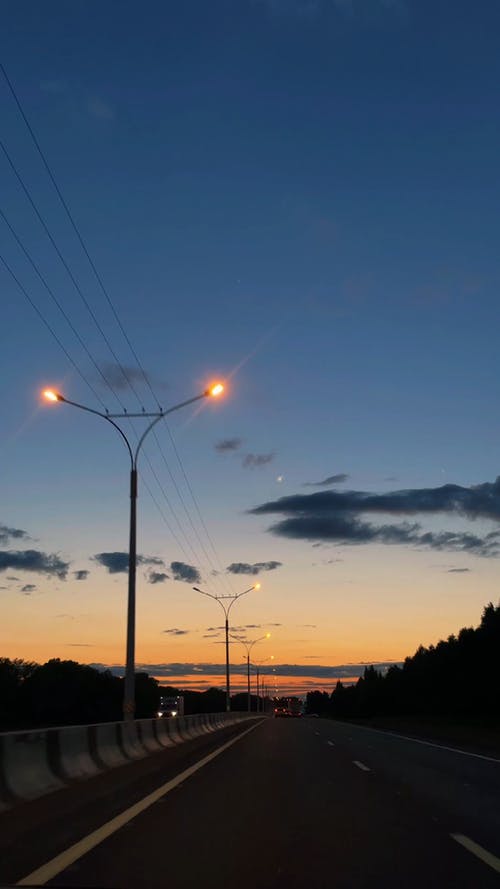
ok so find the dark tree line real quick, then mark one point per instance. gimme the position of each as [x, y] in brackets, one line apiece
[66, 693]
[458, 678]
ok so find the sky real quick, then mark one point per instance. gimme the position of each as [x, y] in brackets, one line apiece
[298, 197]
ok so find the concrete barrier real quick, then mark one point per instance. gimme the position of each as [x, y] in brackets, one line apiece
[35, 763]
[107, 747]
[74, 750]
[27, 764]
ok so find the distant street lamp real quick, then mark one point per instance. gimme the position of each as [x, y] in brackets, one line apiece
[249, 644]
[257, 665]
[53, 396]
[222, 600]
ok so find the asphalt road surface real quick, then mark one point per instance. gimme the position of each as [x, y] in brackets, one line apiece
[282, 803]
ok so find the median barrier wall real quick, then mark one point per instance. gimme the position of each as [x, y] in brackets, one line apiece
[35, 763]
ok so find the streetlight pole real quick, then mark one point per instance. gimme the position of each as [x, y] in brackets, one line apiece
[50, 395]
[223, 602]
[257, 665]
[248, 646]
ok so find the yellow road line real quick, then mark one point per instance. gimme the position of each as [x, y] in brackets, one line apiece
[52, 868]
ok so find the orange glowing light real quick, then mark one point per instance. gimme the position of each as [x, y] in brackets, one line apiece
[216, 389]
[50, 395]
[256, 586]
[268, 635]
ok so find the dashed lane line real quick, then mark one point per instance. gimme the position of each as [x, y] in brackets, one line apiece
[361, 765]
[478, 851]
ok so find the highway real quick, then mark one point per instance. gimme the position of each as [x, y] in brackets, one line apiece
[277, 803]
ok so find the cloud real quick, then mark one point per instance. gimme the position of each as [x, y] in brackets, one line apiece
[81, 574]
[28, 588]
[34, 560]
[79, 645]
[187, 573]
[117, 562]
[254, 461]
[7, 534]
[334, 516]
[228, 444]
[157, 576]
[100, 109]
[120, 376]
[210, 635]
[331, 480]
[340, 671]
[458, 570]
[311, 626]
[176, 632]
[256, 568]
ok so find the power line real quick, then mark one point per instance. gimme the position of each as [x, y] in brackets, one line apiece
[57, 303]
[75, 227]
[51, 331]
[113, 310]
[66, 266]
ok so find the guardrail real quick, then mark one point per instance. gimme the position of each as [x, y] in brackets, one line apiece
[35, 763]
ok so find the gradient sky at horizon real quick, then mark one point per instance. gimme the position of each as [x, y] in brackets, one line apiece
[299, 197]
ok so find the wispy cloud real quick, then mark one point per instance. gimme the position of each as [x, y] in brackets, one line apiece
[186, 573]
[100, 109]
[156, 576]
[117, 562]
[256, 461]
[228, 445]
[331, 480]
[28, 588]
[123, 376]
[256, 568]
[81, 574]
[458, 570]
[174, 631]
[335, 517]
[33, 560]
[7, 534]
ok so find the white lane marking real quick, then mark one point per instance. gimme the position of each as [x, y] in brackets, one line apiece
[52, 868]
[331, 743]
[380, 731]
[478, 851]
[361, 765]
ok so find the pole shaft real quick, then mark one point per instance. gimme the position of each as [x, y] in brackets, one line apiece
[228, 689]
[129, 688]
[258, 699]
[248, 681]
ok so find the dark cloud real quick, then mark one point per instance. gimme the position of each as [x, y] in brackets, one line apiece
[256, 568]
[311, 626]
[28, 588]
[340, 671]
[7, 534]
[80, 645]
[34, 560]
[458, 570]
[10, 577]
[331, 480]
[334, 516]
[228, 444]
[157, 576]
[117, 562]
[176, 632]
[210, 636]
[119, 376]
[253, 461]
[81, 574]
[187, 573]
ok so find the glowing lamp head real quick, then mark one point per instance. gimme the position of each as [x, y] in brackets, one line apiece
[268, 635]
[216, 389]
[50, 395]
[256, 586]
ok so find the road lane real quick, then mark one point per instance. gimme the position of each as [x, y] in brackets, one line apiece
[282, 808]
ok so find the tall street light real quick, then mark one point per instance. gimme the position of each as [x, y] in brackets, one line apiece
[53, 396]
[249, 644]
[223, 602]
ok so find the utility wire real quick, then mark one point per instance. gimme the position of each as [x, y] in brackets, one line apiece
[51, 331]
[110, 303]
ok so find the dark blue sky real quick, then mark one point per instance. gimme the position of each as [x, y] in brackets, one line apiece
[312, 185]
